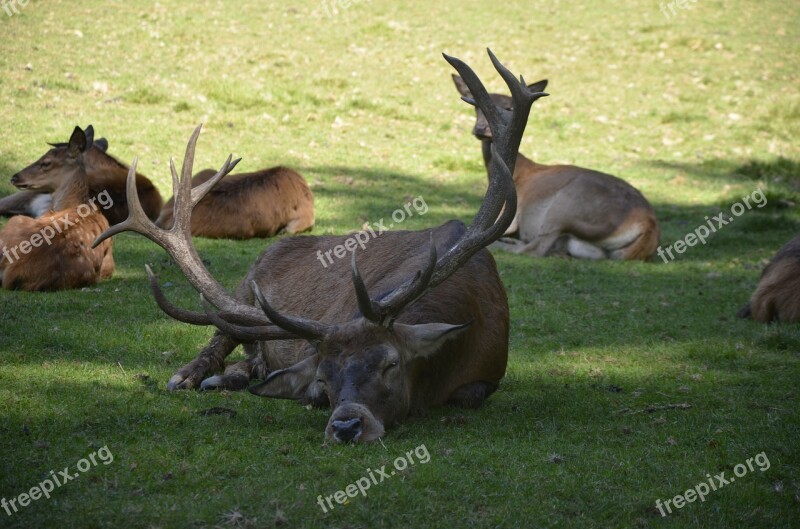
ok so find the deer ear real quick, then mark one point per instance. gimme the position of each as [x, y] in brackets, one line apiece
[102, 144]
[461, 86]
[426, 339]
[290, 383]
[538, 86]
[89, 132]
[77, 143]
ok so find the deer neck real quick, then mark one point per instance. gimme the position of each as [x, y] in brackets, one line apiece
[73, 191]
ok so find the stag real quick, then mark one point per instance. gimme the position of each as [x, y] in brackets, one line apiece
[247, 205]
[436, 332]
[54, 251]
[777, 296]
[569, 210]
[106, 179]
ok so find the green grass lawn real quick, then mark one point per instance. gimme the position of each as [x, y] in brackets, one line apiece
[627, 382]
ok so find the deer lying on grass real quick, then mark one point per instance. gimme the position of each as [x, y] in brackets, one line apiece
[436, 333]
[104, 173]
[777, 296]
[564, 209]
[249, 205]
[54, 251]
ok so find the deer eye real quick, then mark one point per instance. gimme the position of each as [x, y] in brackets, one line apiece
[390, 366]
[45, 164]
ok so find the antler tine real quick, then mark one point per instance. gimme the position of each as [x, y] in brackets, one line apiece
[137, 219]
[299, 327]
[367, 307]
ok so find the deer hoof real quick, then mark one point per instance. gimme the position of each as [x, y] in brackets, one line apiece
[215, 382]
[179, 382]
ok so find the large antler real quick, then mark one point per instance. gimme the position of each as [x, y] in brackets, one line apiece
[489, 223]
[177, 241]
[487, 226]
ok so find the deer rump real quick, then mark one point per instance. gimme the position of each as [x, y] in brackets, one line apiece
[473, 293]
[777, 296]
[247, 205]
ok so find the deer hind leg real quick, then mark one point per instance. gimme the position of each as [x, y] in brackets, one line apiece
[210, 359]
[471, 395]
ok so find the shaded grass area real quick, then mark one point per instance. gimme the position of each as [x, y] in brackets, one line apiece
[588, 427]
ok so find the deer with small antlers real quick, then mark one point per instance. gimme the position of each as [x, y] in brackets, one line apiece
[106, 177]
[569, 210]
[55, 251]
[418, 319]
[777, 296]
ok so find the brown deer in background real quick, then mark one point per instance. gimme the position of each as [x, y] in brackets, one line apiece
[437, 332]
[248, 205]
[777, 296]
[105, 175]
[564, 209]
[54, 251]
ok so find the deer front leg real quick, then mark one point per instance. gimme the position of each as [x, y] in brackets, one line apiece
[210, 360]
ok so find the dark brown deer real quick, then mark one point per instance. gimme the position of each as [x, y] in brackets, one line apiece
[54, 251]
[105, 174]
[435, 333]
[248, 205]
[777, 296]
[564, 209]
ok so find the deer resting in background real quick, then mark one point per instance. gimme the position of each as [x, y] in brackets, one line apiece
[104, 175]
[418, 319]
[564, 209]
[777, 296]
[54, 251]
[249, 205]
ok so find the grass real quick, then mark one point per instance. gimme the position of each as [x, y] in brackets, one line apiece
[697, 111]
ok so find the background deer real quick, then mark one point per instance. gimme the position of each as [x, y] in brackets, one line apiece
[54, 251]
[104, 173]
[437, 333]
[777, 296]
[564, 209]
[249, 205]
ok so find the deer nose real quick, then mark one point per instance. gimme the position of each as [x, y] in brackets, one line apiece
[483, 132]
[15, 179]
[346, 430]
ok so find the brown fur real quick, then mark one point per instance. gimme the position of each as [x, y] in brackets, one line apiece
[565, 209]
[777, 296]
[68, 261]
[104, 173]
[248, 205]
[292, 275]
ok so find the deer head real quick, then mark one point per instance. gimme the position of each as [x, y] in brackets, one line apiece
[46, 174]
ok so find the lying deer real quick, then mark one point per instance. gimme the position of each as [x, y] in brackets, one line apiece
[777, 296]
[104, 172]
[437, 333]
[54, 251]
[249, 205]
[564, 209]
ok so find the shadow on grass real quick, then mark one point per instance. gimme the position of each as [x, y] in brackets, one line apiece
[782, 172]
